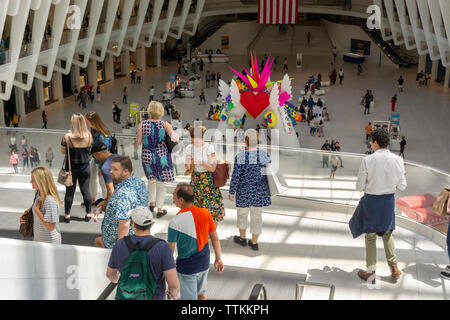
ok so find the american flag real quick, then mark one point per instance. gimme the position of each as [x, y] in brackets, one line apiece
[277, 11]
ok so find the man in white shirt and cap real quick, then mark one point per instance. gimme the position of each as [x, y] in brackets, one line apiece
[379, 176]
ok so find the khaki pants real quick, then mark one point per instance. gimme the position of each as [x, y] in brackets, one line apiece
[255, 219]
[371, 250]
[157, 192]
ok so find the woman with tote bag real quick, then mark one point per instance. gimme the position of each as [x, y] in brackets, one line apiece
[249, 186]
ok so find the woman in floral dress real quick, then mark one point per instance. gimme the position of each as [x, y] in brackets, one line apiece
[201, 163]
[156, 159]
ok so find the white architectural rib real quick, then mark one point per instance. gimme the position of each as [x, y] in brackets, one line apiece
[419, 35]
[439, 31]
[59, 20]
[430, 37]
[85, 47]
[42, 10]
[384, 23]
[169, 18]
[196, 20]
[184, 14]
[142, 11]
[117, 38]
[103, 42]
[3, 11]
[66, 52]
[395, 27]
[445, 9]
[408, 35]
[18, 24]
[149, 29]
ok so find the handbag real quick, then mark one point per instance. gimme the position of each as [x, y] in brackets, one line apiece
[26, 229]
[275, 186]
[169, 143]
[65, 177]
[440, 205]
[221, 174]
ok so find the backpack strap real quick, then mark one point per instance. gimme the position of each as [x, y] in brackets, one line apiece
[151, 243]
[130, 245]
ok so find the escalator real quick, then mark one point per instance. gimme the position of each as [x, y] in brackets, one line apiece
[389, 49]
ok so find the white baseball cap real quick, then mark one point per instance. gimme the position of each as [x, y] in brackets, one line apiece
[142, 216]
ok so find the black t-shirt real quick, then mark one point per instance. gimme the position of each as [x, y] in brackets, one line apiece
[402, 144]
[400, 81]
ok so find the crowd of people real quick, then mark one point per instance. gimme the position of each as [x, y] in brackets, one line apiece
[130, 206]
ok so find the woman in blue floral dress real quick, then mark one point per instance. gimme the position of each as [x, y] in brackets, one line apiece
[156, 159]
[250, 187]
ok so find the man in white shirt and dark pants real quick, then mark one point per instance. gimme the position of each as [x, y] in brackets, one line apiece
[379, 176]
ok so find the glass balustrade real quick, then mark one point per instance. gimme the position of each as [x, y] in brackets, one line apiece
[305, 172]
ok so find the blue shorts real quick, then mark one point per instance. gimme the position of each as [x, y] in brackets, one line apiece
[191, 285]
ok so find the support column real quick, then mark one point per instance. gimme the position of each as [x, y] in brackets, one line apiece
[20, 102]
[109, 67]
[140, 58]
[434, 70]
[40, 91]
[75, 72]
[125, 62]
[422, 63]
[157, 54]
[92, 73]
[447, 77]
[2, 114]
[57, 86]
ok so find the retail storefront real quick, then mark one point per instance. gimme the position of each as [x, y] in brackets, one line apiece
[101, 73]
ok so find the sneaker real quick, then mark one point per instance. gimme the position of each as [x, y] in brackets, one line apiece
[445, 275]
[240, 241]
[253, 246]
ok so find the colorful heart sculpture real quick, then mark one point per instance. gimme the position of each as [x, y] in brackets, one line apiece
[255, 103]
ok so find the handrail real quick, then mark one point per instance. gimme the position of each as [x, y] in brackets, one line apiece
[300, 286]
[258, 292]
[273, 147]
[108, 290]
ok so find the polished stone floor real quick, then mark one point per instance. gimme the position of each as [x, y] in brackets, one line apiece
[424, 111]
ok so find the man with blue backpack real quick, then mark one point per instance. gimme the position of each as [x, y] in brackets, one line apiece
[141, 264]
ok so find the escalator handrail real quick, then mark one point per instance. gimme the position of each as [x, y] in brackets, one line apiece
[107, 291]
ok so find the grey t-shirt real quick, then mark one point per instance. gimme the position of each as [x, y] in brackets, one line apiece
[50, 212]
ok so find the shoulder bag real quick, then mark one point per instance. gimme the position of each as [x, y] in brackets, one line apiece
[169, 143]
[26, 229]
[221, 174]
[65, 177]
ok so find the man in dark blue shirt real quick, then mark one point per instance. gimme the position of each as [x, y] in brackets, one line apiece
[100, 153]
[160, 258]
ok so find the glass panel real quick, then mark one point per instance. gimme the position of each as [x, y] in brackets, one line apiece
[306, 173]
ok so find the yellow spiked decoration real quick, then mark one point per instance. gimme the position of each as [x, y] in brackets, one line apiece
[268, 84]
[252, 82]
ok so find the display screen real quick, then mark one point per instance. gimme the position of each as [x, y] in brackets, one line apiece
[360, 47]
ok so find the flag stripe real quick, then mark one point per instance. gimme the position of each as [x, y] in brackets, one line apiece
[277, 11]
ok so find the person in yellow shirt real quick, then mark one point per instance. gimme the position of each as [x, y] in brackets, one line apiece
[15, 120]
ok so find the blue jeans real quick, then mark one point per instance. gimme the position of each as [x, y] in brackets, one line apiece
[192, 285]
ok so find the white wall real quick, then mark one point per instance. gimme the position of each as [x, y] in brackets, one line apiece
[341, 35]
[240, 35]
[38, 271]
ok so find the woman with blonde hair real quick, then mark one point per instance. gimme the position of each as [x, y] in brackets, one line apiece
[45, 207]
[156, 158]
[201, 163]
[99, 132]
[79, 142]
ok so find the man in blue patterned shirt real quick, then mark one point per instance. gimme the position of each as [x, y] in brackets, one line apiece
[129, 193]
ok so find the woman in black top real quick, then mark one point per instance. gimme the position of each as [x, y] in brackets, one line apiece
[79, 141]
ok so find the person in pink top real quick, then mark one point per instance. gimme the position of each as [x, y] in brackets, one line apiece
[14, 160]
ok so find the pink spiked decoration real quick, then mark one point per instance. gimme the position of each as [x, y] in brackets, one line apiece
[255, 77]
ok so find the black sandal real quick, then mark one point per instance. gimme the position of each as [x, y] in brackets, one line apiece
[67, 220]
[253, 246]
[161, 214]
[87, 219]
[239, 240]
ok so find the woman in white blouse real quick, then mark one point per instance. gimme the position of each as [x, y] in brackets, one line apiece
[45, 207]
[201, 163]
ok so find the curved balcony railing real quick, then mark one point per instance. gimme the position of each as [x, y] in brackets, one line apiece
[305, 172]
